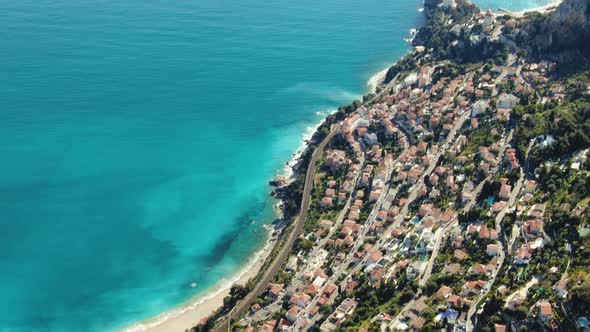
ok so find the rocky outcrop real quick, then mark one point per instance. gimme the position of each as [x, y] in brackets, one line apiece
[571, 14]
[566, 29]
[570, 22]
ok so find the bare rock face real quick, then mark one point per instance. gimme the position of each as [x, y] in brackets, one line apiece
[571, 12]
[570, 23]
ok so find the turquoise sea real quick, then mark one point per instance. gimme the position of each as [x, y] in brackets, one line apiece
[137, 139]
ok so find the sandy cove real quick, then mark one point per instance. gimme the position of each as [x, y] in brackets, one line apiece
[190, 314]
[542, 9]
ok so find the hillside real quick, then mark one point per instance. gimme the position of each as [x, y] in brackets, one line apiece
[563, 34]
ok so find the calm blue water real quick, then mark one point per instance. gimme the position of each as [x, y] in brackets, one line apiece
[137, 138]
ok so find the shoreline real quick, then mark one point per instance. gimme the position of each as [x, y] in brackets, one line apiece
[287, 170]
[520, 13]
[201, 306]
[190, 313]
[377, 79]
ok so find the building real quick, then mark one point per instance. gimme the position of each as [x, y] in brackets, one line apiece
[343, 312]
[335, 159]
[488, 19]
[294, 313]
[479, 107]
[492, 249]
[545, 312]
[370, 139]
[505, 191]
[561, 287]
[448, 3]
[507, 101]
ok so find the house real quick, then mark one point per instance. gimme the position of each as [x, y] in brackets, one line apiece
[499, 328]
[274, 290]
[414, 270]
[346, 231]
[478, 269]
[523, 256]
[335, 159]
[493, 249]
[418, 322]
[507, 101]
[342, 312]
[473, 287]
[460, 254]
[545, 312]
[443, 292]
[423, 76]
[349, 241]
[455, 301]
[515, 302]
[269, 326]
[316, 285]
[448, 3]
[497, 207]
[450, 316]
[533, 229]
[330, 289]
[453, 268]
[415, 94]
[505, 190]
[300, 300]
[531, 186]
[561, 287]
[503, 114]
[325, 224]
[370, 139]
[537, 210]
[294, 313]
[425, 209]
[479, 107]
[284, 325]
[374, 195]
[378, 273]
[374, 257]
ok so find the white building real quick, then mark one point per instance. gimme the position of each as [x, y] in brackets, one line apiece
[479, 107]
[507, 101]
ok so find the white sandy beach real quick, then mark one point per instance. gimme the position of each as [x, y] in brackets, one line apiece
[377, 79]
[202, 306]
[542, 9]
[287, 171]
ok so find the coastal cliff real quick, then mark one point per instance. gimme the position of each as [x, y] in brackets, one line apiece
[569, 24]
[562, 35]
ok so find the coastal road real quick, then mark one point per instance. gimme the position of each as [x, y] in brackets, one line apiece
[224, 323]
